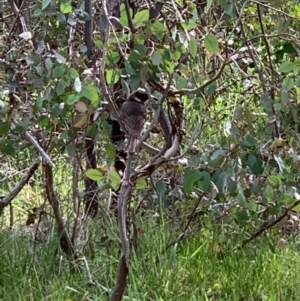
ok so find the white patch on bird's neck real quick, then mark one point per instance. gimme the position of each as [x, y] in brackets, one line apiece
[137, 99]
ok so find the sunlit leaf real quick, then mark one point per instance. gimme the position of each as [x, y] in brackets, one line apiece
[141, 17]
[65, 7]
[123, 15]
[73, 73]
[110, 150]
[91, 93]
[208, 5]
[269, 192]
[72, 99]
[141, 183]
[94, 174]
[112, 76]
[115, 179]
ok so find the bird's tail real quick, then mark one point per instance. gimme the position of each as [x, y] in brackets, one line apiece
[132, 145]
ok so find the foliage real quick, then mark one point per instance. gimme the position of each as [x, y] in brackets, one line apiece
[233, 100]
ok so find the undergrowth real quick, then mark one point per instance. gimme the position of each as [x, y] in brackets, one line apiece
[205, 266]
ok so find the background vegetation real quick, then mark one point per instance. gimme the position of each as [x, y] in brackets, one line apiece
[211, 212]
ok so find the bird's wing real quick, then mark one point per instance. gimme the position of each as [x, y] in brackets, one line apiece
[134, 125]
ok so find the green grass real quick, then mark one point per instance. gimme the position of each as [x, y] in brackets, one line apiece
[202, 267]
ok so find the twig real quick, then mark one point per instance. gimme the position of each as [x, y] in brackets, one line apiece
[268, 225]
[39, 148]
[6, 200]
[104, 89]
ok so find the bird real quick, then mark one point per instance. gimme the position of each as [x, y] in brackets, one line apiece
[133, 113]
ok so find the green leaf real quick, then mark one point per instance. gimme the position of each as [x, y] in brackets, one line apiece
[123, 15]
[219, 178]
[208, 5]
[298, 94]
[242, 216]
[190, 177]
[269, 193]
[48, 63]
[98, 43]
[288, 84]
[249, 142]
[257, 168]
[60, 88]
[4, 128]
[110, 150]
[141, 183]
[204, 181]
[94, 174]
[129, 69]
[65, 8]
[8, 148]
[158, 29]
[58, 71]
[59, 57]
[286, 67]
[252, 160]
[112, 76]
[141, 17]
[91, 93]
[156, 58]
[161, 188]
[43, 121]
[45, 4]
[73, 73]
[275, 179]
[72, 99]
[211, 44]
[193, 47]
[112, 57]
[77, 85]
[125, 87]
[115, 179]
[267, 103]
[188, 24]
[211, 89]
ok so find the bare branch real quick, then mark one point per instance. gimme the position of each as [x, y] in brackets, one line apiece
[39, 148]
[6, 200]
[65, 241]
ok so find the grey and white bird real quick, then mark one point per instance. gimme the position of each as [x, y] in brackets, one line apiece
[133, 113]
